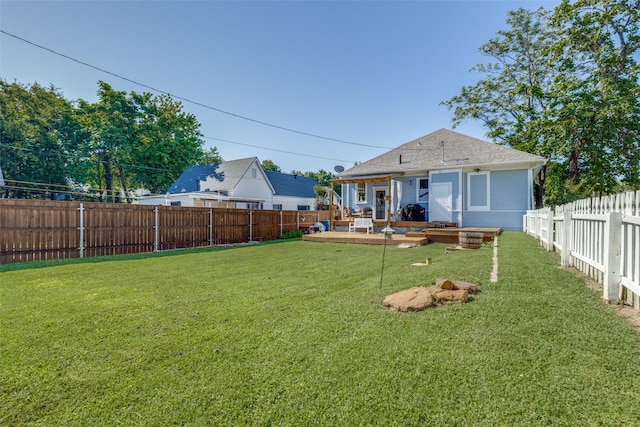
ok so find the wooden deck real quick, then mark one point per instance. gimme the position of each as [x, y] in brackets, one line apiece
[364, 238]
[450, 235]
[437, 235]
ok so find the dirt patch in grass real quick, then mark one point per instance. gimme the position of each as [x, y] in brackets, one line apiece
[629, 313]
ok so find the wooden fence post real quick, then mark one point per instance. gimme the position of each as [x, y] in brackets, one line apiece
[250, 225]
[81, 238]
[613, 242]
[281, 223]
[210, 227]
[156, 231]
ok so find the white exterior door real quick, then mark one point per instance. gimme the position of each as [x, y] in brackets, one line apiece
[440, 203]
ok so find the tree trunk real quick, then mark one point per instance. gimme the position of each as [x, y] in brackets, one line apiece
[108, 178]
[538, 187]
[124, 184]
[574, 159]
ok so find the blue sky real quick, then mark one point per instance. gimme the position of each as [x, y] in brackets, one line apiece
[371, 73]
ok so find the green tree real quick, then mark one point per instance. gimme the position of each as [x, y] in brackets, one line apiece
[140, 139]
[597, 96]
[210, 157]
[107, 141]
[323, 178]
[268, 165]
[564, 86]
[512, 100]
[168, 140]
[33, 146]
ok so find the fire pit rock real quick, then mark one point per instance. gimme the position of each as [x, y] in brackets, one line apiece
[418, 298]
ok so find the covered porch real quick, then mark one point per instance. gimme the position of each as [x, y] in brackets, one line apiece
[380, 209]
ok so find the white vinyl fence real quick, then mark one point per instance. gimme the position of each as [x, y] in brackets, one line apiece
[598, 236]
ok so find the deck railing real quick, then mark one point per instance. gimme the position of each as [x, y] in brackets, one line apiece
[32, 230]
[598, 236]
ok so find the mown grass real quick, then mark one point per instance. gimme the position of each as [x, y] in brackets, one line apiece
[294, 334]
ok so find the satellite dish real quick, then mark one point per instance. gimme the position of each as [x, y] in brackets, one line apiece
[338, 168]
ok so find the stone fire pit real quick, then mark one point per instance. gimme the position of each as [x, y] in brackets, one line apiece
[445, 291]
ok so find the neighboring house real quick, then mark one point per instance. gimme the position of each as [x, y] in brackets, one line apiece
[237, 184]
[292, 192]
[451, 177]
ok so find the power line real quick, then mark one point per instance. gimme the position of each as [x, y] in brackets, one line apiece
[274, 149]
[63, 186]
[45, 188]
[187, 99]
[140, 167]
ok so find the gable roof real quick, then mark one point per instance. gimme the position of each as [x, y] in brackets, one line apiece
[442, 149]
[220, 176]
[291, 185]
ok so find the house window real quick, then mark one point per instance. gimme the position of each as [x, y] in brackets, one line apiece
[176, 203]
[304, 208]
[277, 207]
[254, 206]
[254, 173]
[361, 191]
[478, 191]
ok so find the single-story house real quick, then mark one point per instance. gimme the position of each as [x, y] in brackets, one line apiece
[237, 184]
[292, 192]
[445, 176]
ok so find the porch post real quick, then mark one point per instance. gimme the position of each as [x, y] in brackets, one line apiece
[331, 207]
[389, 201]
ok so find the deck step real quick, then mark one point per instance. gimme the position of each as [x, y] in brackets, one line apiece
[450, 235]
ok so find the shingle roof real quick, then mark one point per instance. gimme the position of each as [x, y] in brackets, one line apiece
[291, 185]
[440, 150]
[219, 177]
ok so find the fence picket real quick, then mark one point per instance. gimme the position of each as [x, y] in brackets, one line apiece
[599, 236]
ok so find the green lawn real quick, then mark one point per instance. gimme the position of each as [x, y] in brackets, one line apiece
[293, 333]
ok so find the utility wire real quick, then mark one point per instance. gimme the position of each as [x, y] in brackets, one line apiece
[279, 151]
[43, 184]
[140, 167]
[187, 99]
[43, 187]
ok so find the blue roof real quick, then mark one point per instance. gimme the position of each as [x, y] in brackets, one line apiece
[190, 179]
[224, 177]
[291, 185]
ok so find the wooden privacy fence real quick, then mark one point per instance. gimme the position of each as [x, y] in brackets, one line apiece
[44, 230]
[600, 237]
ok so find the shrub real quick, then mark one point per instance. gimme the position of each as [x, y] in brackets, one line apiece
[291, 234]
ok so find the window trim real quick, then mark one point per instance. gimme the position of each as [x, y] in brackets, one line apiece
[425, 199]
[364, 185]
[479, 208]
